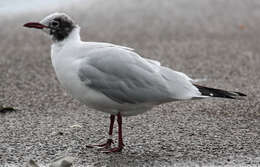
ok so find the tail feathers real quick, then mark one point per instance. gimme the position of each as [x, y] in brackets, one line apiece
[211, 92]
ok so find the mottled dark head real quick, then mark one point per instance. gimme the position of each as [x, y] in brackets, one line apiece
[58, 25]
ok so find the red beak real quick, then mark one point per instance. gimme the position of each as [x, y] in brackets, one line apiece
[35, 25]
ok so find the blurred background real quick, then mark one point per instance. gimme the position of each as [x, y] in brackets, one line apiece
[213, 40]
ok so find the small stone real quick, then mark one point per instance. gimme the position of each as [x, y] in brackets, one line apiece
[6, 109]
[60, 133]
[32, 163]
[62, 162]
[76, 126]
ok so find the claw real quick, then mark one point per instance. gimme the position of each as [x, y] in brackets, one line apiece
[105, 145]
[114, 150]
[106, 148]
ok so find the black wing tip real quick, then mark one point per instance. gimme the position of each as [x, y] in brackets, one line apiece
[240, 94]
[212, 92]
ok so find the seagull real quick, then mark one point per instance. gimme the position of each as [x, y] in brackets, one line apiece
[115, 79]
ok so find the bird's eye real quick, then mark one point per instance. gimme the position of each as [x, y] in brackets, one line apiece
[55, 23]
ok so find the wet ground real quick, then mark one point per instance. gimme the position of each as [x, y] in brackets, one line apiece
[217, 41]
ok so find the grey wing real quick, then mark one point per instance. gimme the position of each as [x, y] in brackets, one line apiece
[123, 76]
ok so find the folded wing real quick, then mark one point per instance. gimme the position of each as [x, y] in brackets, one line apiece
[125, 77]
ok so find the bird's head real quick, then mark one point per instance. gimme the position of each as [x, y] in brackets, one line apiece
[57, 25]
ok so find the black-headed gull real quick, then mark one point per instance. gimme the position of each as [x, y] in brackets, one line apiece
[113, 78]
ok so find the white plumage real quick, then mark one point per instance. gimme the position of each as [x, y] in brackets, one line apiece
[125, 82]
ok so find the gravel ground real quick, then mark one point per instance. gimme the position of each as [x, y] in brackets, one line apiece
[213, 40]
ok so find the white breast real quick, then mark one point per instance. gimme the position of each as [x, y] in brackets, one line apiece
[66, 67]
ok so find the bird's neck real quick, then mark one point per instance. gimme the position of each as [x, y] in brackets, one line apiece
[73, 36]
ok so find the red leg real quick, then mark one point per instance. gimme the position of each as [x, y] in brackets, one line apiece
[120, 136]
[109, 140]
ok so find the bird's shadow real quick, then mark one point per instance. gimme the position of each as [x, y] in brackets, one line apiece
[130, 158]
